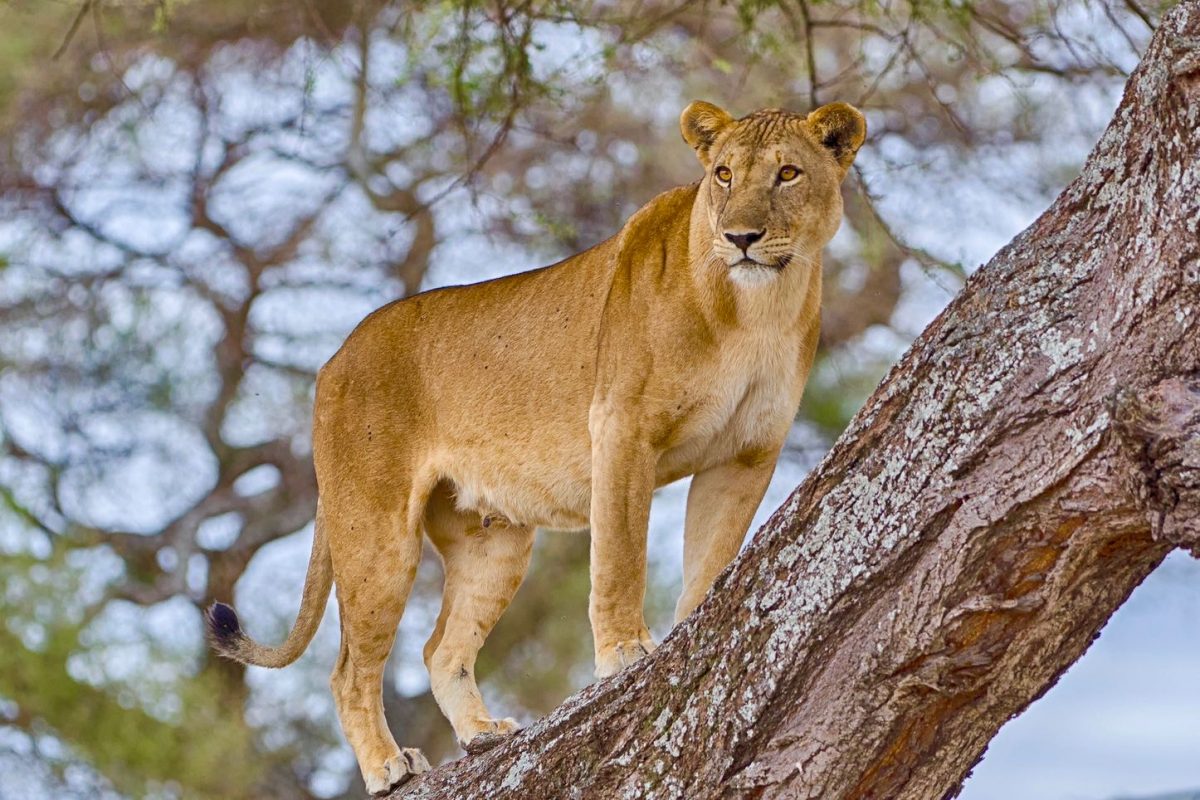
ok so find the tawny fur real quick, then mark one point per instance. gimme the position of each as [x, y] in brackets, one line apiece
[560, 398]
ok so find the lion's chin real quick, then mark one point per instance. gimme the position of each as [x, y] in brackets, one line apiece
[749, 274]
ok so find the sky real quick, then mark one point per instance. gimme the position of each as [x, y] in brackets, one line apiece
[1125, 719]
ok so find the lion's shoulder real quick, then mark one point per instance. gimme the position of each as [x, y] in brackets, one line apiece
[665, 217]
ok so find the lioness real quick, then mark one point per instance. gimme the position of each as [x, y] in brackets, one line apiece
[560, 398]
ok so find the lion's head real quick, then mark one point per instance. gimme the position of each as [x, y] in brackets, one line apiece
[771, 189]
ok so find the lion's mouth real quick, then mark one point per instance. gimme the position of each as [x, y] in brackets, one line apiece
[748, 262]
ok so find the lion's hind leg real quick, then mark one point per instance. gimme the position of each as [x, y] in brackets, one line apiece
[484, 566]
[375, 558]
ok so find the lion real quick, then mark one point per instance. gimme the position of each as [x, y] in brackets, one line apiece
[560, 398]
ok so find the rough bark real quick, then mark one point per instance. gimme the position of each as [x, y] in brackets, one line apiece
[1024, 467]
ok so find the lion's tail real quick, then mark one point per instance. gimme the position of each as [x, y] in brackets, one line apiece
[226, 634]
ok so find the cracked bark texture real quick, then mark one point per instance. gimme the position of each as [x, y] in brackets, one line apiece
[1029, 461]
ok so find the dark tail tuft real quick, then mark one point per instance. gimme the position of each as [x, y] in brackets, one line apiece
[223, 628]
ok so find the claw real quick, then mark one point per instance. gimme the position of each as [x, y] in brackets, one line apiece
[397, 770]
[621, 655]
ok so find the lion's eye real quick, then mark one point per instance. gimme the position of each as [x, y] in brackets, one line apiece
[788, 174]
[724, 175]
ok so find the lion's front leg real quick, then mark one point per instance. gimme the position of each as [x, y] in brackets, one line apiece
[721, 502]
[622, 485]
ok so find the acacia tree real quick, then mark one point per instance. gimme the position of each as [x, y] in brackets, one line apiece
[1031, 459]
[103, 326]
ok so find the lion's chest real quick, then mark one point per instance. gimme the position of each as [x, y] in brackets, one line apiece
[747, 403]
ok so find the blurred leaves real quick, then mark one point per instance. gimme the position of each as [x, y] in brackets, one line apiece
[187, 741]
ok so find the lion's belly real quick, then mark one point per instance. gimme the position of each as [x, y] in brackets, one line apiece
[557, 495]
[524, 491]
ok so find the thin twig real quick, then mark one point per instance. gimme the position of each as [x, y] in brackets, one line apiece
[62, 48]
[922, 256]
[810, 54]
[1136, 8]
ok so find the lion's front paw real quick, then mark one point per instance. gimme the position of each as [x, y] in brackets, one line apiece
[490, 732]
[396, 770]
[612, 659]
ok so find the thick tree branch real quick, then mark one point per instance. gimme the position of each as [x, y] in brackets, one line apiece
[1023, 468]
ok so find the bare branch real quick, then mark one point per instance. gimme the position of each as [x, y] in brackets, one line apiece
[84, 8]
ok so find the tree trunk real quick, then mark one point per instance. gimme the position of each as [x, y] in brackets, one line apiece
[1030, 460]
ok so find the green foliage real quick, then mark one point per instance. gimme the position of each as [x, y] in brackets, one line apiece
[200, 746]
[25, 30]
[164, 10]
[555, 227]
[836, 389]
[204, 751]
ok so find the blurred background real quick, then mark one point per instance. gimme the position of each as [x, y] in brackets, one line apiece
[199, 200]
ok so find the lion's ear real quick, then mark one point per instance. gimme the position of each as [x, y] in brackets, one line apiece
[841, 128]
[701, 124]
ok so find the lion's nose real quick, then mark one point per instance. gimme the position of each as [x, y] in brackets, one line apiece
[743, 240]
